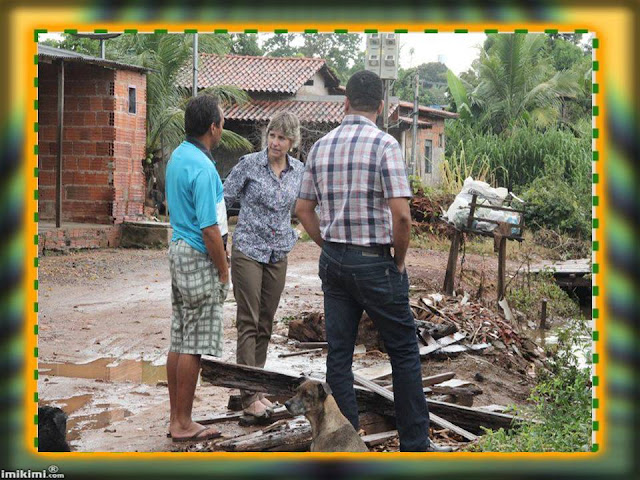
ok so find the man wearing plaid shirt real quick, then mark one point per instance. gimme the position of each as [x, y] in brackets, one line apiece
[356, 175]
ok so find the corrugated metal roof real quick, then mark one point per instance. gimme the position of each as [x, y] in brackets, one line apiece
[308, 111]
[46, 51]
[256, 74]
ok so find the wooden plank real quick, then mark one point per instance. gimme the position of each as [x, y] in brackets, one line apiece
[502, 267]
[282, 438]
[231, 375]
[226, 417]
[311, 345]
[375, 372]
[435, 379]
[452, 262]
[469, 418]
[378, 438]
[435, 419]
[301, 352]
[443, 342]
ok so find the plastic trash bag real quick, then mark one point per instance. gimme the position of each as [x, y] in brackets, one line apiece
[458, 211]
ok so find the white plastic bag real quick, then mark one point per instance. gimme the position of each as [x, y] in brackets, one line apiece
[458, 211]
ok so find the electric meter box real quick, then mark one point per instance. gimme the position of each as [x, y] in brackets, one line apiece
[389, 56]
[382, 55]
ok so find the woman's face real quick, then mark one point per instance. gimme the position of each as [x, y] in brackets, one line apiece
[277, 144]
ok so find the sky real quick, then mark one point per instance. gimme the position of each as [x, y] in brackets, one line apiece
[458, 49]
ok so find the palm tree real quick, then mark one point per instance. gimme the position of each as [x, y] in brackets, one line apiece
[517, 84]
[165, 55]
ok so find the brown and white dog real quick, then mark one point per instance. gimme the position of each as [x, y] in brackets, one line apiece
[331, 431]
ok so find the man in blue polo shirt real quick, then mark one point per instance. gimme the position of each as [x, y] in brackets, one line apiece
[197, 260]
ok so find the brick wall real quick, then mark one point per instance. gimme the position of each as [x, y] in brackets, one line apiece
[129, 146]
[436, 135]
[87, 186]
[103, 144]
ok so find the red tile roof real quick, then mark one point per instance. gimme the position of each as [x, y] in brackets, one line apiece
[256, 74]
[308, 111]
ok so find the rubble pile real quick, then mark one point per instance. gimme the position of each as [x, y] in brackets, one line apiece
[480, 327]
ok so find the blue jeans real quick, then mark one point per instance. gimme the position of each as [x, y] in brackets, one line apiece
[353, 281]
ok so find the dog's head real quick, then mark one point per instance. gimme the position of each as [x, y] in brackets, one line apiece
[309, 398]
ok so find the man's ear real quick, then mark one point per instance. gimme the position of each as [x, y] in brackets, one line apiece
[380, 107]
[347, 105]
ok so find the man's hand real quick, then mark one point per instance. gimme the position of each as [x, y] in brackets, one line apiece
[306, 213]
[401, 218]
[215, 248]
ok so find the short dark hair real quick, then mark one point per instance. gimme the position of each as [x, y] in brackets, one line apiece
[364, 91]
[200, 113]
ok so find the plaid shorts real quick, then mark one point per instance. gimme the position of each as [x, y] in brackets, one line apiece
[197, 298]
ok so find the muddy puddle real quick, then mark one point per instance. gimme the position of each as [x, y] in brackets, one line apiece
[76, 424]
[108, 370]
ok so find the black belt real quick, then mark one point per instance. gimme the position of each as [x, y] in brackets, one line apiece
[378, 249]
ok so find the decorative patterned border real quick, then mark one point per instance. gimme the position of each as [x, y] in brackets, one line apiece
[596, 432]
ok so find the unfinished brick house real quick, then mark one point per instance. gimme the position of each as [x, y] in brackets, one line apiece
[90, 165]
[311, 90]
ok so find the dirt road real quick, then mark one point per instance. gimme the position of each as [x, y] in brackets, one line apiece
[104, 334]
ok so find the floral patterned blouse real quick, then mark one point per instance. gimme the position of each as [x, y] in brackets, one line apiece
[264, 231]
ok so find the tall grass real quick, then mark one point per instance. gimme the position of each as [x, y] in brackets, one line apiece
[520, 155]
[550, 168]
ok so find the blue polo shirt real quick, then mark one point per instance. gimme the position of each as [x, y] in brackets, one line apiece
[193, 188]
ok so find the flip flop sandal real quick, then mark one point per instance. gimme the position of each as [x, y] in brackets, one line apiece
[198, 437]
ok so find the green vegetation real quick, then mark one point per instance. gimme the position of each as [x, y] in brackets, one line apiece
[561, 402]
[525, 125]
[527, 296]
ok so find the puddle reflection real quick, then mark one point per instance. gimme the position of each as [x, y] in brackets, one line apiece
[109, 370]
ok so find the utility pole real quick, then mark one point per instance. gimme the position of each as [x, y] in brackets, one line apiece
[194, 89]
[414, 136]
[385, 111]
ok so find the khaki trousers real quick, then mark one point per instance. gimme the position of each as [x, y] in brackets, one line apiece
[257, 288]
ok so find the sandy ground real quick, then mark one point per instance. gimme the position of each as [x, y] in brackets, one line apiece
[104, 335]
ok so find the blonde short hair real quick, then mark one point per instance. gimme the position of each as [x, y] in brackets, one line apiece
[288, 124]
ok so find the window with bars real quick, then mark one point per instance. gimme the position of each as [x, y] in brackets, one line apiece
[132, 100]
[428, 156]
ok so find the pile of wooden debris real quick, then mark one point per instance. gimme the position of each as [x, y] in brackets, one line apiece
[446, 327]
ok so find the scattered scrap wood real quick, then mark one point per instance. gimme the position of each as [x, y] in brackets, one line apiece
[301, 352]
[379, 438]
[469, 418]
[310, 328]
[293, 435]
[434, 418]
[483, 326]
[311, 345]
[226, 417]
[443, 342]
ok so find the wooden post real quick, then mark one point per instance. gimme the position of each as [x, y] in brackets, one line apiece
[502, 256]
[452, 262]
[60, 132]
[472, 211]
[543, 314]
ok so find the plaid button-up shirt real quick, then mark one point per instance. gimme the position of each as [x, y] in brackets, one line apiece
[351, 172]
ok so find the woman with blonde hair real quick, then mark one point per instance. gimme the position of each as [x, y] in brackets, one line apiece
[266, 183]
